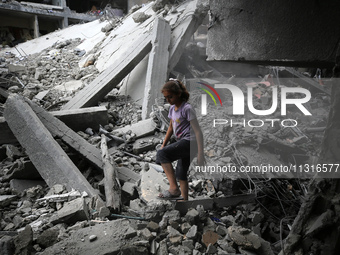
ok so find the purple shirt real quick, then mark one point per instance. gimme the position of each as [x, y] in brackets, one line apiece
[181, 121]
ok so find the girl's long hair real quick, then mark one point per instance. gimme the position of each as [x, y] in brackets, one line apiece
[178, 88]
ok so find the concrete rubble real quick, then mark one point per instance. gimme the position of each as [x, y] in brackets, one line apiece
[53, 188]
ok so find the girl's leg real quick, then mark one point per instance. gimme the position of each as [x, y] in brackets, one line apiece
[170, 174]
[184, 189]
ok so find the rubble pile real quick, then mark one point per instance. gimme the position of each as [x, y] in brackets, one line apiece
[51, 76]
[56, 146]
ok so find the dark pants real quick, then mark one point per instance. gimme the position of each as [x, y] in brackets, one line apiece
[184, 151]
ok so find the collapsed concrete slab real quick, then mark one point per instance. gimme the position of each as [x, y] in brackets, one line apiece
[80, 119]
[45, 153]
[111, 77]
[141, 129]
[111, 237]
[59, 129]
[77, 120]
[157, 66]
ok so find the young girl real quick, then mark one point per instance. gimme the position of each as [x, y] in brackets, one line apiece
[189, 140]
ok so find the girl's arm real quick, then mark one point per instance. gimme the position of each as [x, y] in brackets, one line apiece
[168, 134]
[199, 137]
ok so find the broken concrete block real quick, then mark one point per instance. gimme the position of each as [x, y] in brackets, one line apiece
[23, 242]
[48, 237]
[153, 226]
[140, 17]
[142, 145]
[129, 188]
[104, 212]
[211, 249]
[6, 245]
[192, 216]
[174, 236]
[73, 211]
[141, 129]
[244, 237]
[163, 248]
[222, 231]
[321, 222]
[6, 200]
[192, 233]
[146, 234]
[21, 185]
[16, 68]
[148, 190]
[39, 74]
[185, 227]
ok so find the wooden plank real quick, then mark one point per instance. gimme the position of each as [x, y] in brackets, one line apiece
[111, 77]
[53, 164]
[157, 65]
[77, 120]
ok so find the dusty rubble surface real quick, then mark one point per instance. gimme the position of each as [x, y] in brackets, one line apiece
[38, 219]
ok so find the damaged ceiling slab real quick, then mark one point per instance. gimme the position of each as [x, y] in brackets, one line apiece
[270, 33]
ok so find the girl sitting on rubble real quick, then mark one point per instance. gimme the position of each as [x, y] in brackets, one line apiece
[189, 140]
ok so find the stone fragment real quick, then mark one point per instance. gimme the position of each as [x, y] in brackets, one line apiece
[185, 227]
[140, 17]
[192, 216]
[163, 248]
[153, 226]
[244, 237]
[192, 232]
[146, 234]
[129, 188]
[189, 244]
[211, 249]
[222, 231]
[174, 236]
[92, 238]
[48, 237]
[23, 242]
[6, 245]
[104, 212]
[5, 200]
[73, 211]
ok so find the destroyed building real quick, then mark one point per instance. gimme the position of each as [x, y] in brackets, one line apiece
[82, 115]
